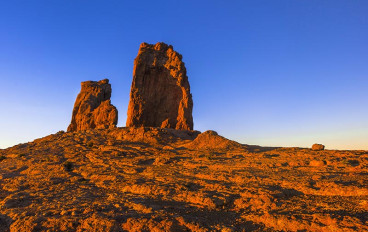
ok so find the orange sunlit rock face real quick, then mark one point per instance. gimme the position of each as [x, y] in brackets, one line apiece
[160, 93]
[162, 179]
[92, 108]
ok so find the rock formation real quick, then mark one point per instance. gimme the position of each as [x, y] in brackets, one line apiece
[211, 140]
[318, 147]
[160, 93]
[92, 108]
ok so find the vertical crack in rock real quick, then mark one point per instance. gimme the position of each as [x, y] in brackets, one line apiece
[160, 93]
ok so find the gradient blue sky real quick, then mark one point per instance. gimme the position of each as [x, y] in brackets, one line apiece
[266, 72]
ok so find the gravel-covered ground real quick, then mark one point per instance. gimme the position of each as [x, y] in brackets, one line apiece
[151, 179]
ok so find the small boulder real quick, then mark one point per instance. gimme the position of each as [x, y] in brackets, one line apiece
[317, 163]
[318, 147]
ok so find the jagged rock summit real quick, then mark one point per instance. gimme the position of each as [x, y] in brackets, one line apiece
[93, 108]
[160, 93]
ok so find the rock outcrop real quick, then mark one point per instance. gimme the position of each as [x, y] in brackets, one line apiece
[318, 147]
[160, 93]
[92, 108]
[211, 140]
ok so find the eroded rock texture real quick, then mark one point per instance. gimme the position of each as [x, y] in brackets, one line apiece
[166, 180]
[160, 93]
[92, 108]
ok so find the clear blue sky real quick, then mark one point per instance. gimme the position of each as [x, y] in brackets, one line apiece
[266, 72]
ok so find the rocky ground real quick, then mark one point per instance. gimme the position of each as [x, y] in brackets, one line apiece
[150, 179]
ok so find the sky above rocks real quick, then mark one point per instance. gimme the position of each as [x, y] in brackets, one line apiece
[272, 73]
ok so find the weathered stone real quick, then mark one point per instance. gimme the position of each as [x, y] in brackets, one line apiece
[160, 93]
[211, 140]
[92, 108]
[317, 163]
[318, 147]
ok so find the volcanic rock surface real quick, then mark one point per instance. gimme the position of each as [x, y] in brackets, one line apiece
[93, 108]
[160, 92]
[158, 179]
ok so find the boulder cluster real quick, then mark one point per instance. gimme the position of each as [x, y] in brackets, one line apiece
[159, 97]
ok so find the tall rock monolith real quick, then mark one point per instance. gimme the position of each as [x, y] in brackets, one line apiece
[160, 92]
[93, 108]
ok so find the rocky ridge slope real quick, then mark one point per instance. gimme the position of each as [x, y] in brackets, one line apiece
[154, 179]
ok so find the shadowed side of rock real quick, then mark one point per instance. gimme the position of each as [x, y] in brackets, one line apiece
[160, 93]
[93, 108]
[153, 135]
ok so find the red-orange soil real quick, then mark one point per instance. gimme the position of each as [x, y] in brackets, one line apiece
[150, 179]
